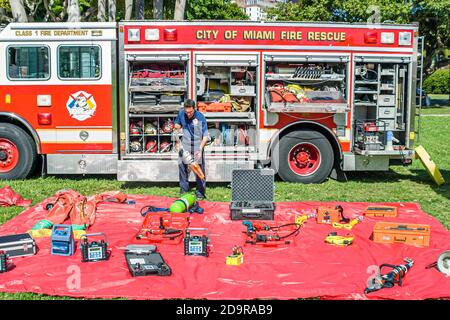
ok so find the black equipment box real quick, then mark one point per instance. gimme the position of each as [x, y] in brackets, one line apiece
[252, 194]
[18, 245]
[196, 245]
[143, 260]
[3, 262]
[92, 251]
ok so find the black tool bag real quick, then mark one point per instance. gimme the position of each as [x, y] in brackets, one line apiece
[252, 194]
[18, 245]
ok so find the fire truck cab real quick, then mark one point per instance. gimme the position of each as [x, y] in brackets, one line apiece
[306, 99]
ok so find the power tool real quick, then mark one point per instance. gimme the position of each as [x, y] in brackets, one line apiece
[255, 226]
[348, 226]
[442, 263]
[300, 220]
[391, 278]
[269, 236]
[334, 238]
[330, 215]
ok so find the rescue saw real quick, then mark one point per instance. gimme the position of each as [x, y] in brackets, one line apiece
[389, 279]
[188, 159]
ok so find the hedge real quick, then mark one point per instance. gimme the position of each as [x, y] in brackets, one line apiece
[438, 82]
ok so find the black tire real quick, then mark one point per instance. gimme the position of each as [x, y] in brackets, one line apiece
[26, 149]
[312, 139]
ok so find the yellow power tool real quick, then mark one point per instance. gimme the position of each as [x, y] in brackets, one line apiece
[299, 220]
[348, 226]
[333, 238]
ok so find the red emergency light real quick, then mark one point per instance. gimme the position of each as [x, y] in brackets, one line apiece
[371, 37]
[44, 118]
[170, 34]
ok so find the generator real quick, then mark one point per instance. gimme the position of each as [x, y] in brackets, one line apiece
[63, 243]
[252, 194]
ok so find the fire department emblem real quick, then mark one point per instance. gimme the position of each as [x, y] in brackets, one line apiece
[81, 105]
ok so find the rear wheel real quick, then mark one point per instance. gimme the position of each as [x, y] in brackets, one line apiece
[305, 156]
[17, 152]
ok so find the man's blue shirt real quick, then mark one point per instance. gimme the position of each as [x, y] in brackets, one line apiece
[194, 129]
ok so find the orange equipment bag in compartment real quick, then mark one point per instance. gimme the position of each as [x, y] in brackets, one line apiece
[214, 107]
[330, 215]
[381, 211]
[407, 233]
[278, 93]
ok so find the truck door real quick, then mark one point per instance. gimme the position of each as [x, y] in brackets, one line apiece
[83, 101]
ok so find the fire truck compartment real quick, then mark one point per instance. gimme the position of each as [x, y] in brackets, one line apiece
[167, 170]
[382, 106]
[157, 88]
[310, 83]
[82, 163]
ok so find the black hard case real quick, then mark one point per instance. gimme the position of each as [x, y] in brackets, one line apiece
[18, 245]
[252, 194]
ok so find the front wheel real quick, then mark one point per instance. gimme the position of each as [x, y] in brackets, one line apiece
[305, 156]
[17, 152]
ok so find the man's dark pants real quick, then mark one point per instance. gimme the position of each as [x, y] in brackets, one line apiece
[184, 178]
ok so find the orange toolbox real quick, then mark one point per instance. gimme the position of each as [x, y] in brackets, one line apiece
[330, 215]
[381, 211]
[214, 107]
[407, 233]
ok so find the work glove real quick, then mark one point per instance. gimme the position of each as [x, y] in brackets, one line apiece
[198, 156]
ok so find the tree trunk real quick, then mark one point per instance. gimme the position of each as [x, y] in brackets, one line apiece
[101, 15]
[139, 11]
[158, 9]
[112, 10]
[128, 9]
[49, 13]
[73, 11]
[18, 11]
[180, 6]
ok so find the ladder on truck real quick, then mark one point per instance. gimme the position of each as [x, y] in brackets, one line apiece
[420, 152]
[419, 92]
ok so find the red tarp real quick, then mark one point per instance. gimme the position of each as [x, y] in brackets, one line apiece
[9, 198]
[306, 268]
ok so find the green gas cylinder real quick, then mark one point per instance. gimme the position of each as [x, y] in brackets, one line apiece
[182, 204]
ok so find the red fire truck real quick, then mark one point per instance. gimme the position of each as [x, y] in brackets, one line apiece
[308, 99]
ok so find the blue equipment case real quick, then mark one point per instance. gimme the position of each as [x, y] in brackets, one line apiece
[63, 243]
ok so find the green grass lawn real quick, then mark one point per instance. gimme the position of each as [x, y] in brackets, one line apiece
[400, 184]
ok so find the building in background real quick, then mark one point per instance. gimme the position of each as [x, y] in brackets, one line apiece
[255, 9]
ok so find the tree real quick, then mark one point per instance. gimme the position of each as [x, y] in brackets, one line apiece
[158, 6]
[128, 9]
[73, 11]
[180, 6]
[18, 11]
[112, 10]
[101, 12]
[139, 10]
[214, 10]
